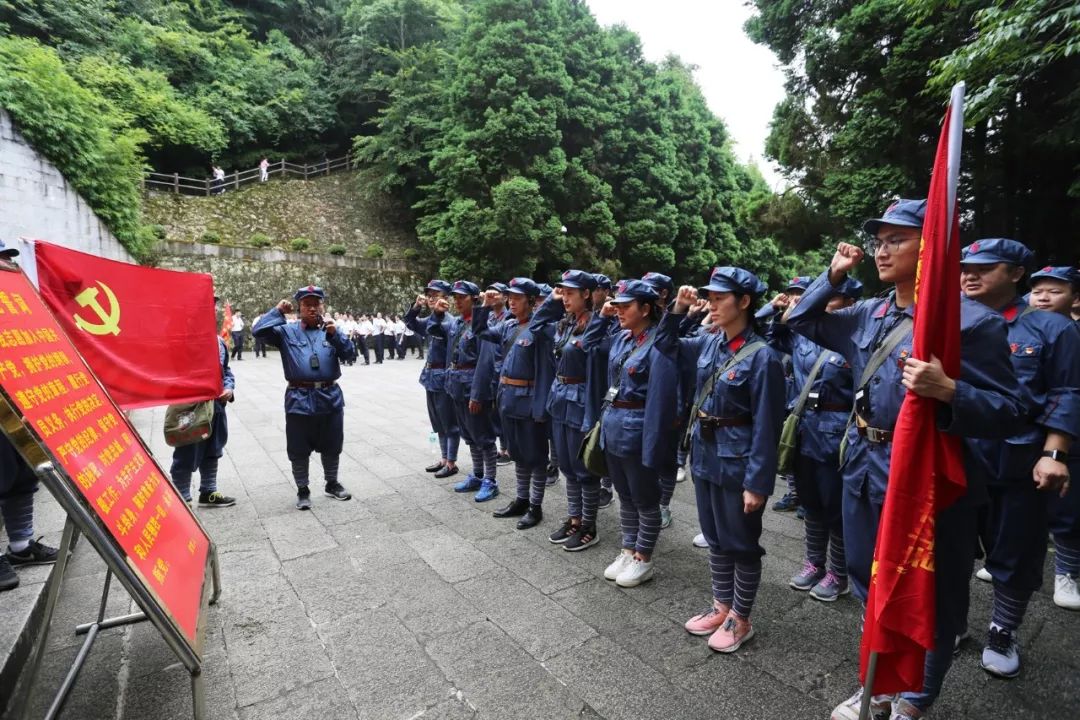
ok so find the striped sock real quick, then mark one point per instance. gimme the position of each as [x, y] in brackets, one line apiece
[790, 480]
[573, 495]
[452, 443]
[181, 480]
[667, 487]
[477, 461]
[18, 512]
[605, 482]
[539, 484]
[648, 528]
[837, 556]
[628, 519]
[1066, 556]
[523, 477]
[207, 475]
[747, 579]
[1009, 607]
[722, 568]
[490, 455]
[300, 471]
[590, 491]
[330, 465]
[817, 540]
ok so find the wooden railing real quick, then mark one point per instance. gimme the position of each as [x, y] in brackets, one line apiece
[176, 183]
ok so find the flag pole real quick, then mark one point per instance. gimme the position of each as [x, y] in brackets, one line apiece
[868, 686]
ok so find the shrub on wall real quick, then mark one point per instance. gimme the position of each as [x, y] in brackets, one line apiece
[260, 240]
[374, 251]
[78, 131]
[299, 244]
[211, 237]
[337, 249]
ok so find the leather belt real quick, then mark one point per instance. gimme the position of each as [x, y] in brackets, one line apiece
[564, 380]
[436, 366]
[312, 385]
[628, 404]
[876, 435]
[719, 422]
[516, 382]
[455, 366]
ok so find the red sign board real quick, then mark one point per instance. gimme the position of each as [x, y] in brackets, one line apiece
[93, 445]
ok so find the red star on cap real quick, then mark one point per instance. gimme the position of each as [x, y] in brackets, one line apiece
[974, 247]
[311, 288]
[1048, 268]
[794, 279]
[566, 275]
[892, 207]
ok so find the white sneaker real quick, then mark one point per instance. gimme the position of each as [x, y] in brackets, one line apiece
[637, 572]
[880, 707]
[984, 575]
[1001, 656]
[699, 541]
[621, 563]
[665, 516]
[680, 475]
[1066, 593]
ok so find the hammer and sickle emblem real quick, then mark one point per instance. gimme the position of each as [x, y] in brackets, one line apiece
[110, 321]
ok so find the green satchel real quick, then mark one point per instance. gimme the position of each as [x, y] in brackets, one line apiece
[188, 423]
[592, 454]
[789, 435]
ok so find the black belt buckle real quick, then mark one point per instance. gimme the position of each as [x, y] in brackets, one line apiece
[813, 401]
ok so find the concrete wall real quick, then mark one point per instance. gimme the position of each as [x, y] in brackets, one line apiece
[37, 202]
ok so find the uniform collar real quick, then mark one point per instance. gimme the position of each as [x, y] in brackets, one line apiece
[1013, 310]
[735, 344]
[889, 306]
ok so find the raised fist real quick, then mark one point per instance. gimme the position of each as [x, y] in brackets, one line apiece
[491, 297]
[687, 296]
[285, 307]
[421, 301]
[608, 310]
[846, 259]
[441, 305]
[781, 301]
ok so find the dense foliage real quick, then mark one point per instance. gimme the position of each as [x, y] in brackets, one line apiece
[866, 85]
[525, 138]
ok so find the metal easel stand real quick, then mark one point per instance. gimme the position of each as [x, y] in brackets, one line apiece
[91, 630]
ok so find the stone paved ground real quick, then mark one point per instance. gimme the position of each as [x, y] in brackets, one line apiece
[413, 602]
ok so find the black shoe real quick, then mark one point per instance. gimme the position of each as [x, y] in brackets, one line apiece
[585, 537]
[604, 497]
[9, 579]
[517, 508]
[34, 554]
[336, 491]
[434, 467]
[503, 458]
[445, 471]
[564, 533]
[552, 474]
[303, 499]
[215, 499]
[531, 518]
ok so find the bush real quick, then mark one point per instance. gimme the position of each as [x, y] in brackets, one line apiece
[90, 143]
[260, 240]
[374, 251]
[337, 249]
[210, 237]
[299, 244]
[157, 231]
[411, 253]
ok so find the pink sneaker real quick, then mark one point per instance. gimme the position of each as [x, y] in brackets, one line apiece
[732, 634]
[707, 622]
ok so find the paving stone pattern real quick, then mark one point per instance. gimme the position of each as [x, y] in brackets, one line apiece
[412, 602]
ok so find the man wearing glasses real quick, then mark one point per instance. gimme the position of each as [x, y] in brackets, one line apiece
[984, 402]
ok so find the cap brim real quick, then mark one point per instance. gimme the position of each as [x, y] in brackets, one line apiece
[718, 287]
[9, 252]
[871, 227]
[461, 292]
[985, 259]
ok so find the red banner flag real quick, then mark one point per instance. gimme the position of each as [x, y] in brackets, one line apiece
[149, 335]
[926, 473]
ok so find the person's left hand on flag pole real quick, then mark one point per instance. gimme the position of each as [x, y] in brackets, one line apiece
[928, 379]
[226, 396]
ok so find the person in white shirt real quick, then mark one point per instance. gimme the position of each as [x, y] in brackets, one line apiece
[364, 331]
[237, 336]
[399, 337]
[379, 336]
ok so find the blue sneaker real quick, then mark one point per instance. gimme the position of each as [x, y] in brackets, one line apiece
[788, 503]
[468, 484]
[488, 489]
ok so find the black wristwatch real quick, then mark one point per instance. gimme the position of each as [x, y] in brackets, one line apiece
[1055, 455]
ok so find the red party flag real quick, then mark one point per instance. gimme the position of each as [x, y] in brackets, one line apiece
[149, 335]
[926, 473]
